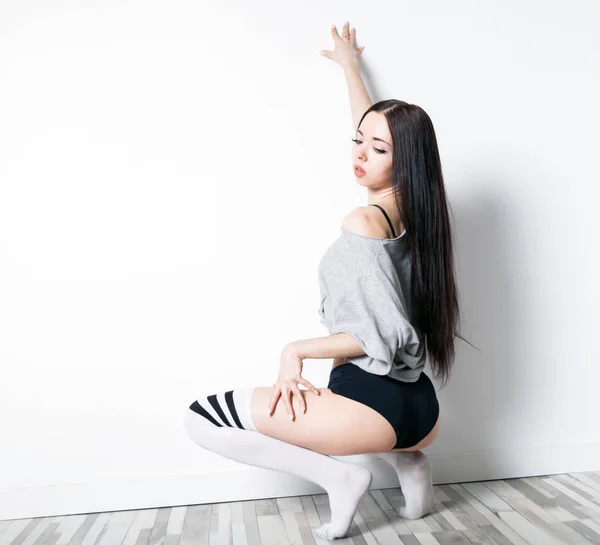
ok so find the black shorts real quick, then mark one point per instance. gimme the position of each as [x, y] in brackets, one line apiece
[410, 407]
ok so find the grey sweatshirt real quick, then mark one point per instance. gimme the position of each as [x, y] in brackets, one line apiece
[365, 292]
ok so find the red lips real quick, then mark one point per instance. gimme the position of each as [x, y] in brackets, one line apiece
[359, 168]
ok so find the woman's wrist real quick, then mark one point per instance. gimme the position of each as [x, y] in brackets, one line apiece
[351, 66]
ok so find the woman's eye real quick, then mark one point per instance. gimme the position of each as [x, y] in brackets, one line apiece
[376, 149]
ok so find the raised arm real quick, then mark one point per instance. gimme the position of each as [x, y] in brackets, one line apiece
[347, 56]
[359, 97]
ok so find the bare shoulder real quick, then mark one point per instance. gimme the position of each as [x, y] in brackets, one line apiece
[362, 222]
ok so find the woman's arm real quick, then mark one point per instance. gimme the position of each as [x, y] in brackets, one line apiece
[338, 345]
[360, 101]
[347, 56]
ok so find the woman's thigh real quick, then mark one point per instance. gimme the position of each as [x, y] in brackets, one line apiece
[332, 425]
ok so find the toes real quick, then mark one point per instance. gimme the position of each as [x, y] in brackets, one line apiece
[414, 514]
[406, 514]
[322, 532]
[327, 532]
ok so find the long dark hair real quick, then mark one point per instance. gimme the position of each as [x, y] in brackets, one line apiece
[418, 188]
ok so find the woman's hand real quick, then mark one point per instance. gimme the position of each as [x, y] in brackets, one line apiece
[290, 369]
[344, 53]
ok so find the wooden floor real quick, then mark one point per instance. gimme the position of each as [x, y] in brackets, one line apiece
[537, 510]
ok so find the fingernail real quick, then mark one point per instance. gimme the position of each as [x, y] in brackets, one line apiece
[291, 418]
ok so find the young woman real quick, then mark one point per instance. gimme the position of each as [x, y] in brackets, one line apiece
[389, 301]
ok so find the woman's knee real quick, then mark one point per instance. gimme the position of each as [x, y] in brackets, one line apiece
[193, 422]
[229, 409]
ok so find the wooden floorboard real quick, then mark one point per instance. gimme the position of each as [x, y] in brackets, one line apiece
[547, 510]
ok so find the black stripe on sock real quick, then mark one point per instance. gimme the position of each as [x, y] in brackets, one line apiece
[232, 410]
[212, 399]
[197, 408]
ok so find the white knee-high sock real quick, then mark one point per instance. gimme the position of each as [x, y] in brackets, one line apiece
[222, 423]
[415, 476]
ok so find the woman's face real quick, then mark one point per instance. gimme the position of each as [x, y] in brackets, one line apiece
[372, 151]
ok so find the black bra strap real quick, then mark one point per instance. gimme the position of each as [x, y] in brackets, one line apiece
[386, 217]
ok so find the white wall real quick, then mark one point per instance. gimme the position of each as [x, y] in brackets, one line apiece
[170, 177]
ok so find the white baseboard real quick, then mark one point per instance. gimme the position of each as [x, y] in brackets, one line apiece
[253, 483]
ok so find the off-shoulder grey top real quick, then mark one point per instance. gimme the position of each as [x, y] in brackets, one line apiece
[365, 292]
